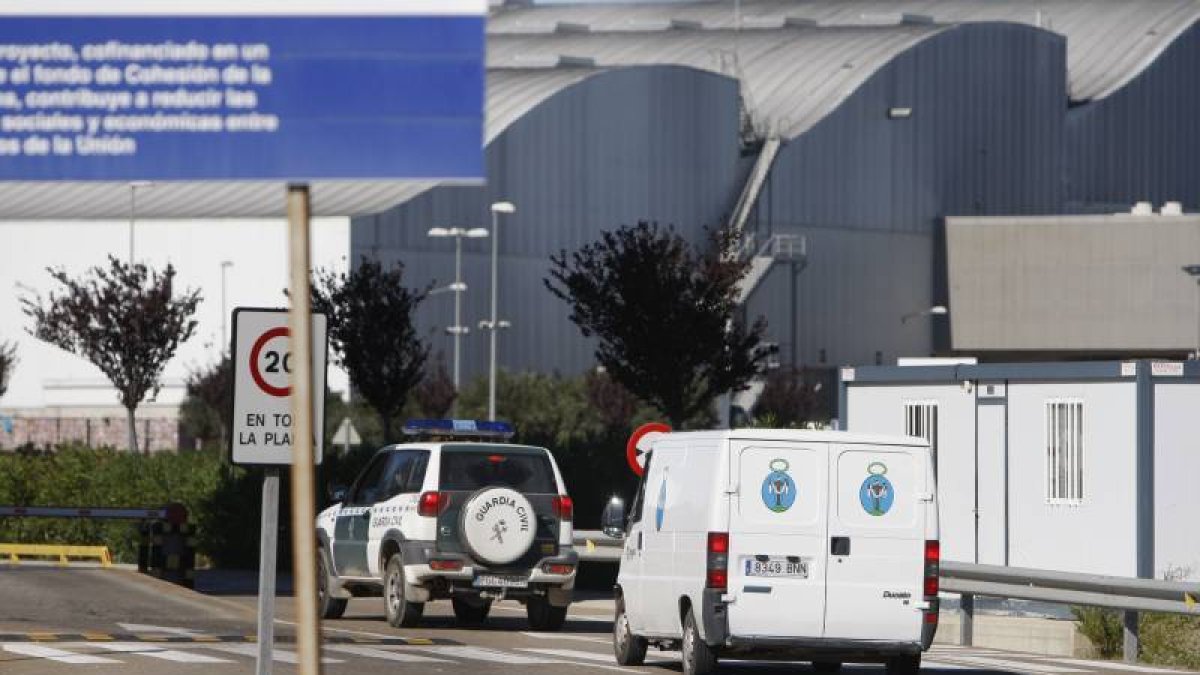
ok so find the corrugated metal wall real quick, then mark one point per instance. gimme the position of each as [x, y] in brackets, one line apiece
[985, 137]
[656, 143]
[1141, 143]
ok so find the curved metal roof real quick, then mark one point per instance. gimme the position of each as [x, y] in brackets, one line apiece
[1109, 42]
[792, 77]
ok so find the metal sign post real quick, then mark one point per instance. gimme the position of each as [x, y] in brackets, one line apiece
[268, 546]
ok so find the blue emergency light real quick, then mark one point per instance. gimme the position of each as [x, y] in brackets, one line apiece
[459, 428]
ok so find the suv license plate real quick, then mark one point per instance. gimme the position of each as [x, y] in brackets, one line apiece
[501, 581]
[776, 566]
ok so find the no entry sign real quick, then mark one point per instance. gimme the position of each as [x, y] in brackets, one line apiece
[639, 444]
[262, 366]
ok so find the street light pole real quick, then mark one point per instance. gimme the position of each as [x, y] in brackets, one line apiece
[458, 287]
[492, 325]
[225, 265]
[133, 188]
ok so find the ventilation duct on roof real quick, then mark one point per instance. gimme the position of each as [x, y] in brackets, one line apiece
[1142, 209]
[1171, 209]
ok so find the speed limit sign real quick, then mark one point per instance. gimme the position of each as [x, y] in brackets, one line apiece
[262, 359]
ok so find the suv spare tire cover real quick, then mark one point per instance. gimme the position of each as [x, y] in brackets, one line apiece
[498, 525]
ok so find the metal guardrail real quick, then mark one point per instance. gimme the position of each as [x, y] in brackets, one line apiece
[1071, 588]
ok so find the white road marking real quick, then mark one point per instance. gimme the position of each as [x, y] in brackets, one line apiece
[588, 656]
[560, 636]
[1006, 664]
[1106, 665]
[926, 663]
[52, 654]
[144, 628]
[281, 655]
[486, 654]
[573, 617]
[375, 653]
[154, 651]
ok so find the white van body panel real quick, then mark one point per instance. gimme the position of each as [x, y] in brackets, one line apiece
[782, 496]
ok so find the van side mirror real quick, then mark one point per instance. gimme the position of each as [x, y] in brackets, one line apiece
[337, 493]
[612, 520]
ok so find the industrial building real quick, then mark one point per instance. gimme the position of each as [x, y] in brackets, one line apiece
[859, 126]
[1061, 466]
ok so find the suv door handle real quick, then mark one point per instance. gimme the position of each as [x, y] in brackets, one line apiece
[839, 546]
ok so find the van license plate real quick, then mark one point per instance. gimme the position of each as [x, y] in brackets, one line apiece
[775, 566]
[501, 581]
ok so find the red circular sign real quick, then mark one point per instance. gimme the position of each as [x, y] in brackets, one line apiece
[635, 455]
[255, 352]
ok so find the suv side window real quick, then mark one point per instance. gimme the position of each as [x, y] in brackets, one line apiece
[366, 489]
[635, 511]
[406, 472]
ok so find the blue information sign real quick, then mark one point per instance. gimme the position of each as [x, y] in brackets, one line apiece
[351, 92]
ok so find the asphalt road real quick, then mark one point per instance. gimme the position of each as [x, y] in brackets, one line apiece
[117, 622]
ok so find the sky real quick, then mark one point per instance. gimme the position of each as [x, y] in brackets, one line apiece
[48, 376]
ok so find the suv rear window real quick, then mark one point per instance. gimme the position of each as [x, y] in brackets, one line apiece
[473, 469]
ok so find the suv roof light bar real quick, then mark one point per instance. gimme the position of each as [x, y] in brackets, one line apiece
[459, 429]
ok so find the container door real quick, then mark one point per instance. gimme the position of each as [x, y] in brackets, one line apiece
[777, 538]
[991, 444]
[876, 543]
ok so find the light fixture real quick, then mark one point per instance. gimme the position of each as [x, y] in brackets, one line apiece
[503, 207]
[899, 113]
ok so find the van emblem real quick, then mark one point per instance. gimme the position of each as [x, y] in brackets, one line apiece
[660, 509]
[876, 493]
[778, 488]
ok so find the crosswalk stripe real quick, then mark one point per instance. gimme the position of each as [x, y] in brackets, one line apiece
[52, 654]
[1107, 665]
[941, 665]
[559, 636]
[281, 655]
[1007, 664]
[486, 654]
[372, 652]
[157, 652]
[588, 656]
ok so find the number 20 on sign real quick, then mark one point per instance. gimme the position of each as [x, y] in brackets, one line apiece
[262, 360]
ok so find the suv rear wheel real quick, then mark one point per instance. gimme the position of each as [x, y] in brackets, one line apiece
[470, 611]
[400, 612]
[544, 616]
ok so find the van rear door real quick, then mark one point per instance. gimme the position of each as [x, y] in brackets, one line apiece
[777, 538]
[876, 542]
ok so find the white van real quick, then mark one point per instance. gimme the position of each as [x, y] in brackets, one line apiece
[819, 546]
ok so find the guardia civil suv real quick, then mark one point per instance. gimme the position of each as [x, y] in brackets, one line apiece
[458, 514]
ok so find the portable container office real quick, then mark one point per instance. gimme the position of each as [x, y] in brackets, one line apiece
[1084, 466]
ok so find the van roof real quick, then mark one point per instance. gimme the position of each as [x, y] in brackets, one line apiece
[802, 436]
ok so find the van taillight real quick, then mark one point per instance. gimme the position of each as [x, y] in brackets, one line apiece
[431, 503]
[564, 507]
[933, 556]
[718, 560]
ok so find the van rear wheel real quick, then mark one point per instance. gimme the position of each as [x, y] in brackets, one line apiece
[544, 616]
[629, 648]
[698, 657]
[904, 665]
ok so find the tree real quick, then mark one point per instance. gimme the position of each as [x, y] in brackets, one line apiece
[435, 395]
[371, 333]
[791, 397]
[8, 362]
[126, 319]
[664, 314]
[207, 409]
